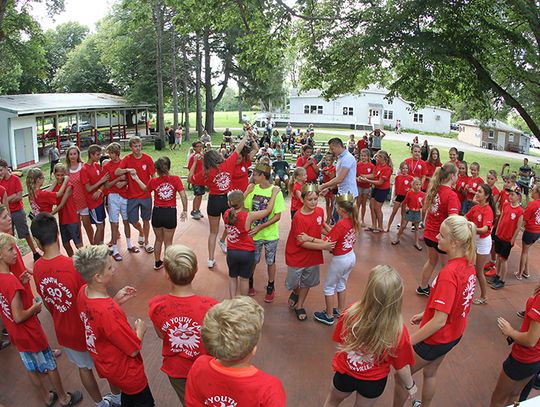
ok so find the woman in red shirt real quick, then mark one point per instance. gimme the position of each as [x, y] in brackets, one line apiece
[445, 317]
[481, 214]
[417, 167]
[441, 201]
[380, 180]
[402, 184]
[432, 163]
[524, 360]
[44, 200]
[531, 218]
[240, 246]
[367, 350]
[364, 167]
[217, 176]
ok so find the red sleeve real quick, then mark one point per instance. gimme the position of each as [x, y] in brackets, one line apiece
[123, 337]
[17, 184]
[151, 170]
[534, 312]
[151, 184]
[49, 197]
[198, 178]
[299, 162]
[335, 233]
[444, 294]
[123, 163]
[178, 184]
[230, 162]
[274, 395]
[336, 336]
[386, 174]
[85, 179]
[488, 218]
[453, 204]
[190, 161]
[403, 353]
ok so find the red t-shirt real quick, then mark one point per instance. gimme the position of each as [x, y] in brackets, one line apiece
[218, 180]
[58, 283]
[414, 200]
[481, 216]
[531, 216]
[504, 197]
[311, 174]
[364, 169]
[508, 221]
[238, 237]
[165, 189]
[43, 202]
[417, 168]
[240, 178]
[12, 186]
[91, 174]
[366, 367]
[495, 191]
[383, 172]
[452, 293]
[444, 204]
[526, 354]
[110, 341]
[144, 166]
[402, 184]
[211, 384]
[296, 203]
[199, 164]
[27, 336]
[361, 145]
[67, 215]
[329, 172]
[179, 319]
[461, 185]
[109, 168]
[344, 235]
[430, 170]
[2, 192]
[311, 224]
[473, 183]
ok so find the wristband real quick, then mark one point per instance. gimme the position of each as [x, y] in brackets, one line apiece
[410, 388]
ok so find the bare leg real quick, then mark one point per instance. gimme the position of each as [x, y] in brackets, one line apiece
[506, 391]
[429, 266]
[68, 248]
[395, 209]
[146, 231]
[341, 300]
[212, 237]
[400, 394]
[363, 200]
[481, 260]
[139, 229]
[233, 286]
[54, 377]
[168, 235]
[372, 204]
[38, 381]
[158, 243]
[100, 233]
[416, 241]
[430, 381]
[31, 245]
[127, 230]
[329, 301]
[114, 233]
[87, 225]
[379, 216]
[244, 285]
[89, 382]
[335, 397]
[524, 260]
[197, 202]
[302, 294]
[502, 268]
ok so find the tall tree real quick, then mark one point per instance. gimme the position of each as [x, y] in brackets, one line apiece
[158, 10]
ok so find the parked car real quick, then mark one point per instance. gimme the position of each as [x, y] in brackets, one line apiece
[49, 134]
[535, 143]
[454, 126]
[82, 126]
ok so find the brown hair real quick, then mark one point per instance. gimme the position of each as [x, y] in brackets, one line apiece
[236, 202]
[163, 166]
[441, 175]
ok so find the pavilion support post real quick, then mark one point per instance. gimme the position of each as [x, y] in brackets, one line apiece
[136, 122]
[147, 123]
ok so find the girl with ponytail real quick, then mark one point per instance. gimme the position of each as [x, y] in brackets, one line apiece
[445, 317]
[240, 246]
[44, 200]
[482, 214]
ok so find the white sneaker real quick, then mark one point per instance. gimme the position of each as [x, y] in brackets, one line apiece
[211, 263]
[223, 246]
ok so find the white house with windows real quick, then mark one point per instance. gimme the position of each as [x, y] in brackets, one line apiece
[493, 135]
[365, 110]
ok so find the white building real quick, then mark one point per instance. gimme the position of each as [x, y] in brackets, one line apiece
[493, 135]
[365, 110]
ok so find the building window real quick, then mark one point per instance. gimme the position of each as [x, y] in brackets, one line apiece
[373, 113]
[306, 109]
[418, 118]
[348, 111]
[491, 134]
[388, 115]
[313, 109]
[438, 117]
[510, 137]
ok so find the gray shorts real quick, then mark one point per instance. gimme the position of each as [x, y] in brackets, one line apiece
[81, 359]
[364, 191]
[133, 206]
[19, 224]
[302, 277]
[270, 248]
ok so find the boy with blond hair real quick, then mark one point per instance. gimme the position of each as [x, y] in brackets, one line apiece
[178, 317]
[230, 333]
[112, 343]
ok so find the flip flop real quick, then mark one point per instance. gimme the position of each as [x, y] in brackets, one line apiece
[293, 299]
[517, 276]
[134, 249]
[369, 229]
[418, 247]
[480, 301]
[395, 242]
[300, 314]
[117, 257]
[74, 398]
[140, 241]
[149, 248]
[53, 400]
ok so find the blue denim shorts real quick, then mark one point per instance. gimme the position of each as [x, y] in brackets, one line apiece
[41, 362]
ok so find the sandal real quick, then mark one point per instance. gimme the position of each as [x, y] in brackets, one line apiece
[293, 300]
[74, 398]
[149, 248]
[300, 314]
[117, 257]
[53, 399]
[418, 247]
[369, 229]
[133, 249]
[57, 352]
[517, 276]
[140, 241]
[480, 301]
[395, 242]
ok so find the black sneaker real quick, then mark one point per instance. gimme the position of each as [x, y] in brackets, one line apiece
[323, 318]
[336, 313]
[493, 280]
[521, 314]
[497, 285]
[423, 291]
[37, 256]
[158, 264]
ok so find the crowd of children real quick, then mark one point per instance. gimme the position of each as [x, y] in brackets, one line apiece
[208, 346]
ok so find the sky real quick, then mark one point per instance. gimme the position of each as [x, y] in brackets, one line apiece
[86, 12]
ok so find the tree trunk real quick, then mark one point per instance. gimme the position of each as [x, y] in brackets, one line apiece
[174, 78]
[185, 90]
[209, 102]
[157, 13]
[198, 117]
[240, 113]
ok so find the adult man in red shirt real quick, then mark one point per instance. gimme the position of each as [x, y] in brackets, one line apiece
[137, 198]
[13, 187]
[309, 163]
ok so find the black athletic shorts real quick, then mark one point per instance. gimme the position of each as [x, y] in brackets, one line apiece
[380, 195]
[198, 190]
[141, 399]
[400, 198]
[518, 371]
[529, 238]
[502, 248]
[164, 217]
[217, 205]
[370, 389]
[434, 352]
[240, 263]
[434, 244]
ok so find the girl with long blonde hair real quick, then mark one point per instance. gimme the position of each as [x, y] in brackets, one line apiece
[372, 337]
[445, 317]
[44, 200]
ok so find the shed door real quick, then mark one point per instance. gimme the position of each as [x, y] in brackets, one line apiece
[24, 147]
[501, 140]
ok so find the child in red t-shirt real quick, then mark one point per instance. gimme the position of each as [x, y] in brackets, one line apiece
[491, 179]
[230, 333]
[508, 227]
[402, 184]
[115, 347]
[473, 183]
[299, 180]
[164, 214]
[58, 283]
[329, 172]
[448, 306]
[365, 353]
[178, 317]
[303, 258]
[240, 245]
[531, 220]
[461, 183]
[413, 202]
[364, 167]
[19, 315]
[44, 200]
